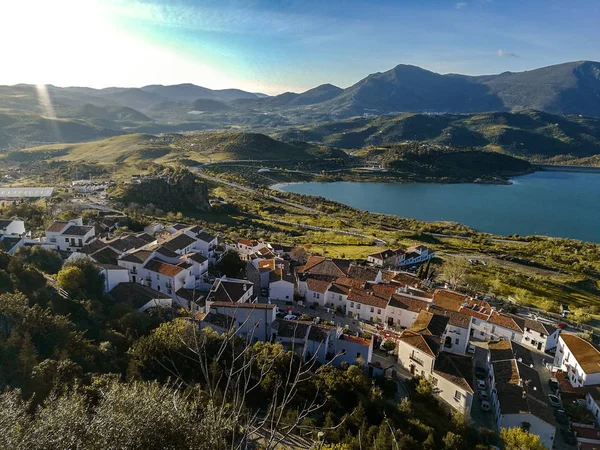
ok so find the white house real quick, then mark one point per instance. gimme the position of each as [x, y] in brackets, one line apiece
[366, 305]
[12, 227]
[579, 359]
[385, 258]
[282, 284]
[453, 381]
[518, 400]
[315, 291]
[69, 236]
[417, 352]
[416, 255]
[402, 310]
[540, 336]
[455, 338]
[231, 290]
[251, 320]
[113, 276]
[205, 243]
[166, 277]
[592, 400]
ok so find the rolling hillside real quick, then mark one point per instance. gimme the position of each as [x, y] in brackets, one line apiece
[190, 149]
[533, 135]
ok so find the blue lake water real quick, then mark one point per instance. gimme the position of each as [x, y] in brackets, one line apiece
[560, 204]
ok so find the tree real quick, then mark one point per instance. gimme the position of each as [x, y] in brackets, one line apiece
[455, 269]
[43, 259]
[519, 439]
[299, 254]
[87, 281]
[71, 279]
[231, 265]
[389, 345]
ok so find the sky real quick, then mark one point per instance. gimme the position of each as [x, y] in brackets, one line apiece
[283, 45]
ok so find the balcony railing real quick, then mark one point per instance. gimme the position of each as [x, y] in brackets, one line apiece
[417, 360]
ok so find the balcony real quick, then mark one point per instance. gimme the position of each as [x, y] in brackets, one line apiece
[417, 360]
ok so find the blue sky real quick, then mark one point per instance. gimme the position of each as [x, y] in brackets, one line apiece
[274, 46]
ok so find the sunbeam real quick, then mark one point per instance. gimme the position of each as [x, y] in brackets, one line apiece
[48, 109]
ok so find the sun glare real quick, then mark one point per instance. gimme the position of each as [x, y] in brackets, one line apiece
[70, 43]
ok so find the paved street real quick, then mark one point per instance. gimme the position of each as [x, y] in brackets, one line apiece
[481, 419]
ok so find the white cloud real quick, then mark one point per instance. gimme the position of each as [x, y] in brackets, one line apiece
[461, 5]
[505, 54]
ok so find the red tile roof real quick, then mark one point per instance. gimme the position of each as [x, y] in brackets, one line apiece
[584, 352]
[367, 298]
[317, 285]
[158, 266]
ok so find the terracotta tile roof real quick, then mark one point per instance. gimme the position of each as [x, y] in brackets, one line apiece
[475, 314]
[318, 265]
[505, 321]
[281, 274]
[539, 327]
[178, 242]
[106, 255]
[158, 266]
[426, 344]
[139, 256]
[77, 230]
[587, 433]
[456, 319]
[161, 249]
[407, 279]
[192, 295]
[93, 246]
[136, 294]
[126, 243]
[505, 349]
[409, 303]
[429, 324]
[367, 298]
[383, 290]
[228, 291]
[292, 328]
[449, 300]
[587, 356]
[456, 369]
[350, 282]
[247, 242]
[339, 289]
[57, 226]
[197, 257]
[362, 272]
[383, 255]
[266, 264]
[317, 285]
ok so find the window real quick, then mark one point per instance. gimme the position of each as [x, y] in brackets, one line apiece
[287, 297]
[67, 240]
[378, 310]
[357, 355]
[457, 341]
[157, 276]
[493, 329]
[474, 321]
[512, 336]
[457, 396]
[481, 332]
[318, 296]
[340, 297]
[358, 306]
[434, 381]
[372, 309]
[351, 304]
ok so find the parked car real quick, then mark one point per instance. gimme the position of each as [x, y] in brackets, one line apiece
[480, 373]
[290, 317]
[471, 349]
[554, 384]
[480, 384]
[264, 292]
[483, 395]
[554, 401]
[561, 417]
[485, 406]
[568, 436]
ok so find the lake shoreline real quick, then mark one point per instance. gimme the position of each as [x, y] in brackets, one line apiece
[543, 203]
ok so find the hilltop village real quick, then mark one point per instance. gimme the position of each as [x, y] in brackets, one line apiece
[500, 366]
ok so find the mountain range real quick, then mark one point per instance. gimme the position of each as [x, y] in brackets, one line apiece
[83, 113]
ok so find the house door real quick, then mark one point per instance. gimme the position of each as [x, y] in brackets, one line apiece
[539, 345]
[390, 321]
[412, 369]
[133, 278]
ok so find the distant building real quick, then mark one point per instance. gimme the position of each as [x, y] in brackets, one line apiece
[69, 236]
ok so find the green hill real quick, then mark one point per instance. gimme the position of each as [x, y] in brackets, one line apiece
[533, 135]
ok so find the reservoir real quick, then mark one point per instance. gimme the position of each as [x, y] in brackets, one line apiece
[558, 204]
